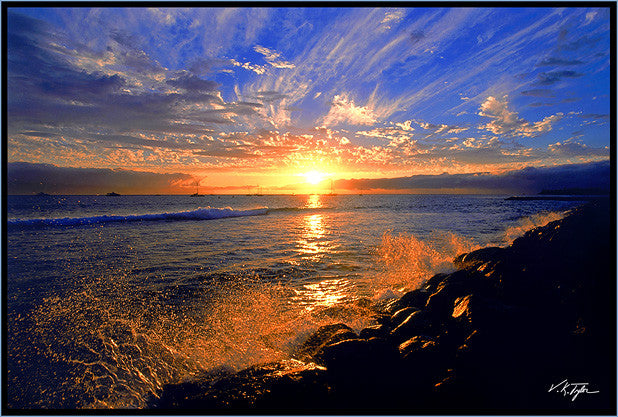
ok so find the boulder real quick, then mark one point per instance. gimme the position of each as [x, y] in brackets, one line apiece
[416, 298]
[423, 358]
[415, 343]
[400, 315]
[415, 324]
[478, 257]
[280, 385]
[325, 335]
[478, 312]
[455, 285]
[351, 357]
[432, 283]
[378, 330]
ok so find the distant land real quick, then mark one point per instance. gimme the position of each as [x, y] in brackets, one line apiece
[576, 191]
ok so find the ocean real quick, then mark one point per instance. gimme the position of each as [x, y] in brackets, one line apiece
[109, 298]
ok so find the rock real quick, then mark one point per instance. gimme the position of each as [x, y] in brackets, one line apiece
[478, 312]
[378, 330]
[432, 283]
[417, 323]
[351, 357]
[478, 257]
[416, 298]
[343, 355]
[415, 343]
[400, 315]
[327, 334]
[455, 285]
[280, 385]
[424, 360]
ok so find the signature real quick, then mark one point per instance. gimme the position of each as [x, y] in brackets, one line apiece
[572, 389]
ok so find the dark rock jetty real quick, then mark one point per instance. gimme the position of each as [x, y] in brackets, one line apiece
[499, 335]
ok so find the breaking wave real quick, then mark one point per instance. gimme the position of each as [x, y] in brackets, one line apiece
[205, 213]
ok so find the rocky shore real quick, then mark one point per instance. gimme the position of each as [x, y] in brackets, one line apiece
[499, 335]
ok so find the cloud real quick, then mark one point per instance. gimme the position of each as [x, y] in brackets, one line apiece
[442, 128]
[269, 96]
[553, 77]
[416, 36]
[529, 180]
[59, 85]
[538, 92]
[343, 110]
[258, 69]
[507, 122]
[392, 18]
[570, 148]
[272, 57]
[190, 82]
[203, 66]
[585, 41]
[407, 125]
[29, 178]
[590, 16]
[553, 61]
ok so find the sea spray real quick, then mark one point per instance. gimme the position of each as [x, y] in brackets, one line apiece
[112, 349]
[526, 223]
[408, 260]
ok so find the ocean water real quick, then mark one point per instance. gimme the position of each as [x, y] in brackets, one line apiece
[110, 298]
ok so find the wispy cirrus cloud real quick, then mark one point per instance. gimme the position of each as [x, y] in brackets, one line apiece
[273, 57]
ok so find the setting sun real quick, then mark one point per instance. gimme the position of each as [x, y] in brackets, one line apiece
[314, 177]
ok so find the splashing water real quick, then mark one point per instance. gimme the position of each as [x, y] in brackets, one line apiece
[530, 222]
[103, 334]
[409, 261]
[112, 351]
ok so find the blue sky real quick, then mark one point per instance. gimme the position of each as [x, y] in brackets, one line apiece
[248, 96]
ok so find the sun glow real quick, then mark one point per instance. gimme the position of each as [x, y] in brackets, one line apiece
[314, 177]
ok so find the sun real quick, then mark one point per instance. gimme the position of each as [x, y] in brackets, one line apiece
[314, 177]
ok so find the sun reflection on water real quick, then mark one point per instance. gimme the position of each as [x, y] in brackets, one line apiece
[311, 242]
[314, 201]
[315, 242]
[327, 293]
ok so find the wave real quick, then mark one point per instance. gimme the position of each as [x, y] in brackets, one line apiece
[205, 213]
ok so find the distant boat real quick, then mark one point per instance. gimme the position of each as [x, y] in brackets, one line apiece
[112, 194]
[197, 191]
[331, 188]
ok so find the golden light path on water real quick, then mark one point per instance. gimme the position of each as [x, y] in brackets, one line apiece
[315, 242]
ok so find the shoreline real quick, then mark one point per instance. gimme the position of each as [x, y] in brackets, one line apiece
[496, 335]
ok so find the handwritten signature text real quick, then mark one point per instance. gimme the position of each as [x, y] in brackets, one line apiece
[571, 389]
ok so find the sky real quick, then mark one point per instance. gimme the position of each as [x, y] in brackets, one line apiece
[288, 99]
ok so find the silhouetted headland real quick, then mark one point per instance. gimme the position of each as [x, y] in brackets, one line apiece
[568, 194]
[507, 332]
